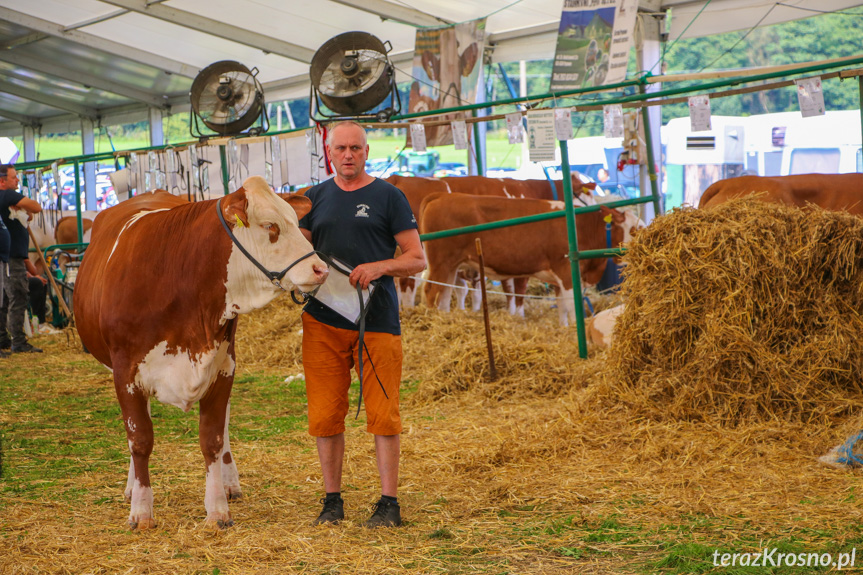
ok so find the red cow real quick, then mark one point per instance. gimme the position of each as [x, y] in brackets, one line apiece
[157, 299]
[838, 192]
[537, 249]
[417, 189]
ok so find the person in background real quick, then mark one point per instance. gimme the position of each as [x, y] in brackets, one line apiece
[5, 244]
[13, 310]
[38, 287]
[360, 220]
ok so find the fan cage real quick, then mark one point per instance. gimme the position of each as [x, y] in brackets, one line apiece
[352, 101]
[255, 108]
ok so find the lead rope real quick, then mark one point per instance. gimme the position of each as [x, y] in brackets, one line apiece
[362, 330]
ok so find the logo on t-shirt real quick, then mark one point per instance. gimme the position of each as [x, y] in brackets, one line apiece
[362, 211]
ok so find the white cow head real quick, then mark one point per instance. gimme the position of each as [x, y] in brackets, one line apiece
[265, 224]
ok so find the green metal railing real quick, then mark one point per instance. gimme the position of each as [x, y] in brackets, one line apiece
[570, 211]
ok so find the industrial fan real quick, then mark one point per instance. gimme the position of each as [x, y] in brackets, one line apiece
[227, 98]
[351, 75]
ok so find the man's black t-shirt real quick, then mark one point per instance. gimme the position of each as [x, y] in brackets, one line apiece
[14, 241]
[358, 227]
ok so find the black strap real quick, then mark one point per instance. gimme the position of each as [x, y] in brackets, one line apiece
[274, 277]
[361, 346]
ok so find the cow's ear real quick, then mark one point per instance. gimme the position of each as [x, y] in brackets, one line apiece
[301, 204]
[234, 208]
[617, 216]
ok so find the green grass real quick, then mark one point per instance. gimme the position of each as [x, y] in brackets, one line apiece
[60, 424]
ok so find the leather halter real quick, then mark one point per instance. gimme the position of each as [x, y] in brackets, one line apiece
[274, 277]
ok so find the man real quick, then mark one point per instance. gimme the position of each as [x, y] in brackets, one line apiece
[359, 220]
[14, 308]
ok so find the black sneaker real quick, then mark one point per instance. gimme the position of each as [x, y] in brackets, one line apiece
[387, 514]
[333, 512]
[25, 348]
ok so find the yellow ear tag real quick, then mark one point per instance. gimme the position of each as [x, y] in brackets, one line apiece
[239, 221]
[607, 219]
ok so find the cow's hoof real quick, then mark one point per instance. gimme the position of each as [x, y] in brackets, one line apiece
[233, 495]
[220, 524]
[142, 524]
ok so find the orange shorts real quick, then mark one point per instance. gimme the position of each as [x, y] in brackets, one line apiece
[329, 353]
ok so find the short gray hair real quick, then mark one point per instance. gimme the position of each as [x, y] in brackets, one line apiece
[332, 128]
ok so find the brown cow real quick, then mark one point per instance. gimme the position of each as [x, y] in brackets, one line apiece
[837, 192]
[157, 299]
[538, 249]
[416, 189]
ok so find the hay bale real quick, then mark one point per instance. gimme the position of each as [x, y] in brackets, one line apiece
[749, 311]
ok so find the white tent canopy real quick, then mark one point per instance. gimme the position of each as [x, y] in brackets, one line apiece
[119, 61]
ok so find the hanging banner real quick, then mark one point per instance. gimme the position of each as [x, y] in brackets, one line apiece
[593, 43]
[810, 96]
[446, 70]
[699, 113]
[540, 136]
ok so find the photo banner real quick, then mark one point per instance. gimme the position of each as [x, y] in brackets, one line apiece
[446, 69]
[593, 43]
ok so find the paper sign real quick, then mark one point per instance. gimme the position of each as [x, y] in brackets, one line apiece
[459, 134]
[699, 113]
[810, 96]
[514, 129]
[275, 174]
[540, 135]
[563, 123]
[612, 121]
[418, 137]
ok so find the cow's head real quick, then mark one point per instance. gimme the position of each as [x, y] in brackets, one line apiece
[624, 225]
[265, 224]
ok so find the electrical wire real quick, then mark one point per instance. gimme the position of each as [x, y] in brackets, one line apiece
[679, 36]
[739, 40]
[838, 12]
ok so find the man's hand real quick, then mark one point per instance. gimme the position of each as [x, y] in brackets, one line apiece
[364, 274]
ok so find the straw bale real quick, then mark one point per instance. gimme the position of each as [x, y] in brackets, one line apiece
[748, 311]
[445, 352]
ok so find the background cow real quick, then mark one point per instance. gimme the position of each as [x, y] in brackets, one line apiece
[538, 249]
[416, 189]
[837, 192]
[156, 301]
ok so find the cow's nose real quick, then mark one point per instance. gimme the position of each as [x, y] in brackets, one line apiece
[321, 272]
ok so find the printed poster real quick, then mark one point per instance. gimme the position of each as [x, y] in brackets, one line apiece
[446, 70]
[514, 129]
[810, 97]
[699, 113]
[540, 135]
[593, 43]
[612, 121]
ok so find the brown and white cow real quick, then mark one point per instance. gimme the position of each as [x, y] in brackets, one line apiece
[837, 192]
[416, 189]
[157, 299]
[538, 249]
[51, 228]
